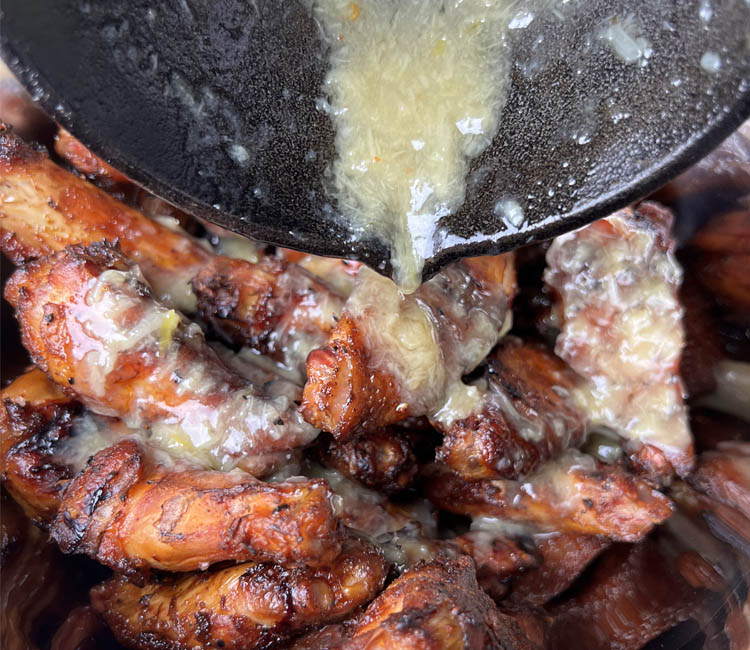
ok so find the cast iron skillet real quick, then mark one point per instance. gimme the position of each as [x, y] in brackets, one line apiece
[211, 104]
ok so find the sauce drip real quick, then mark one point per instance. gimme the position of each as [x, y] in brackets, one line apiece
[415, 90]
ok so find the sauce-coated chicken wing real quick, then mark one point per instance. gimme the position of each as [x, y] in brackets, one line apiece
[573, 494]
[89, 321]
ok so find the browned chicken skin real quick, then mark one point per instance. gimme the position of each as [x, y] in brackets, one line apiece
[721, 252]
[526, 416]
[89, 321]
[436, 606]
[574, 494]
[35, 415]
[132, 514]
[267, 306]
[393, 356]
[382, 460]
[240, 607]
[562, 558]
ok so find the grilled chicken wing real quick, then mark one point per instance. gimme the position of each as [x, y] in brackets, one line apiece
[574, 494]
[89, 321]
[525, 415]
[617, 282]
[274, 306]
[393, 356]
[241, 607]
[633, 595]
[132, 514]
[35, 415]
[436, 606]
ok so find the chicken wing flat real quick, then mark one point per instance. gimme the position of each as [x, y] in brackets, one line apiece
[131, 514]
[573, 494]
[633, 596]
[274, 306]
[35, 415]
[241, 607]
[436, 606]
[393, 356]
[617, 282]
[90, 322]
[562, 558]
[382, 460]
[526, 416]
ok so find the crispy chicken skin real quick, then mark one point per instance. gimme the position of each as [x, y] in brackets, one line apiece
[89, 321]
[241, 607]
[393, 356]
[562, 558]
[574, 494]
[436, 606]
[526, 417]
[268, 305]
[131, 514]
[617, 283]
[35, 415]
[382, 460]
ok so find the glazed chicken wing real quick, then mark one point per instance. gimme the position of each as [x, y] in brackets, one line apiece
[617, 283]
[241, 607]
[382, 459]
[393, 356]
[525, 415]
[89, 321]
[274, 306]
[574, 494]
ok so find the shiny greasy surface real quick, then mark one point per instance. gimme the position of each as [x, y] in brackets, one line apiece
[392, 356]
[91, 323]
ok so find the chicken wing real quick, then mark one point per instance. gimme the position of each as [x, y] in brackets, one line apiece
[393, 356]
[617, 282]
[89, 321]
[436, 606]
[241, 607]
[633, 595]
[574, 494]
[526, 415]
[132, 514]
[274, 306]
[35, 415]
